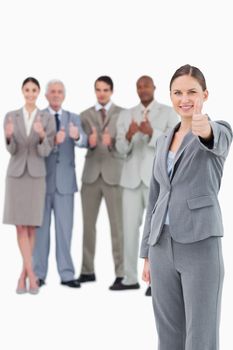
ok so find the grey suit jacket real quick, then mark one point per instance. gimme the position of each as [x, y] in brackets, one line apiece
[139, 153]
[27, 151]
[102, 160]
[60, 164]
[191, 194]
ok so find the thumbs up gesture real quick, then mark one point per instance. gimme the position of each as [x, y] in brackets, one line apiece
[73, 131]
[38, 127]
[200, 123]
[9, 128]
[93, 137]
[60, 136]
[145, 126]
[106, 138]
[133, 129]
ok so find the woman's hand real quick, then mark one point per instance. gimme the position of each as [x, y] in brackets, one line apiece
[9, 128]
[146, 271]
[38, 128]
[200, 123]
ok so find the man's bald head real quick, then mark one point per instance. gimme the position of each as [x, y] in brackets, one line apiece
[145, 89]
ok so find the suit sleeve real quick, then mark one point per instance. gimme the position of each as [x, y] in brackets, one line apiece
[172, 120]
[82, 141]
[153, 196]
[11, 144]
[46, 146]
[123, 146]
[221, 141]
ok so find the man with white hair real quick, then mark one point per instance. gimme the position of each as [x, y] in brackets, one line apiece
[61, 186]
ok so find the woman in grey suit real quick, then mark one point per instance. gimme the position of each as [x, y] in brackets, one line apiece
[29, 135]
[181, 242]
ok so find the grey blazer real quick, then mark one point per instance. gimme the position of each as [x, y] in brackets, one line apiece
[60, 165]
[27, 151]
[102, 160]
[191, 194]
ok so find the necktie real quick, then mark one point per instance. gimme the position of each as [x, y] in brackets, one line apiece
[56, 115]
[103, 114]
[146, 113]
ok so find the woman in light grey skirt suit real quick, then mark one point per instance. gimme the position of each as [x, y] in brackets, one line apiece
[29, 135]
[181, 242]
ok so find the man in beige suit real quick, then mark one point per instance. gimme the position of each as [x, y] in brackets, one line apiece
[101, 178]
[137, 131]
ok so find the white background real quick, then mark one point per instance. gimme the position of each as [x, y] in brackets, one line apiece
[77, 41]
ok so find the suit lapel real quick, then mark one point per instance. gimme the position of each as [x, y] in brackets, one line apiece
[32, 132]
[108, 115]
[168, 138]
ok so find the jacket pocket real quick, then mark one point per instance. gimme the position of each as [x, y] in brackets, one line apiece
[201, 202]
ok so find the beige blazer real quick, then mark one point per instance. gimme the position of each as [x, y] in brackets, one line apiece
[27, 151]
[102, 160]
[139, 153]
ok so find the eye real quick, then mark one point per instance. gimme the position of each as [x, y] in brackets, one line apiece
[177, 93]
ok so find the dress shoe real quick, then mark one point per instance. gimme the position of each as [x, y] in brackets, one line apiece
[40, 282]
[122, 286]
[148, 292]
[72, 283]
[86, 278]
[116, 282]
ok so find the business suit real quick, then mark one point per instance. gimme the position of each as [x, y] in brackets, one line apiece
[25, 182]
[185, 256]
[136, 173]
[101, 178]
[60, 188]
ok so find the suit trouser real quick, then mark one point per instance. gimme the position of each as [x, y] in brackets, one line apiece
[134, 202]
[92, 195]
[186, 281]
[63, 206]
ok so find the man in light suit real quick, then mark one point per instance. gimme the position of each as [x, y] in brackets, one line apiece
[137, 131]
[61, 186]
[101, 178]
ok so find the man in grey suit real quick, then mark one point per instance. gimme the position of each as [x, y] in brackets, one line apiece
[61, 186]
[137, 131]
[101, 178]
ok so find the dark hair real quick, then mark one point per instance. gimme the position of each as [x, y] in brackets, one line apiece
[193, 72]
[31, 80]
[106, 80]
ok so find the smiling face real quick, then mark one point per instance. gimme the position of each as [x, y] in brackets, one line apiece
[145, 90]
[55, 95]
[103, 92]
[184, 92]
[30, 92]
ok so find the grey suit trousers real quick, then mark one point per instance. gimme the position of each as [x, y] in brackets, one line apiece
[92, 195]
[186, 281]
[63, 207]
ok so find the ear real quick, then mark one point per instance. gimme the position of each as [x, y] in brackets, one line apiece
[205, 95]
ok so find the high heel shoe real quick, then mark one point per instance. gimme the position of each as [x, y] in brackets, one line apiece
[21, 290]
[33, 291]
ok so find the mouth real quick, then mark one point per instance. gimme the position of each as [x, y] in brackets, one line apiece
[186, 108]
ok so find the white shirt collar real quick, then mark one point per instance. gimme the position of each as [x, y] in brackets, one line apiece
[51, 111]
[28, 119]
[98, 106]
[148, 108]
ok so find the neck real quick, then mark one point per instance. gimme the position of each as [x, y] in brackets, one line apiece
[55, 108]
[146, 103]
[30, 107]
[185, 125]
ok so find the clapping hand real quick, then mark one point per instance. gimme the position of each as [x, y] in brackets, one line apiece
[73, 131]
[133, 129]
[9, 128]
[106, 138]
[92, 139]
[38, 127]
[60, 136]
[145, 126]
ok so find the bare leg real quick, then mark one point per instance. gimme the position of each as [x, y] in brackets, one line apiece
[25, 247]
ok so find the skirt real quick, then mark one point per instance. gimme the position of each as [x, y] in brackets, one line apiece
[24, 200]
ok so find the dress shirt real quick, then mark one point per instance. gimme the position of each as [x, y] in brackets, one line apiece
[28, 119]
[98, 106]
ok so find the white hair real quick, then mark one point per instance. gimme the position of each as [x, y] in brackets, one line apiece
[54, 81]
